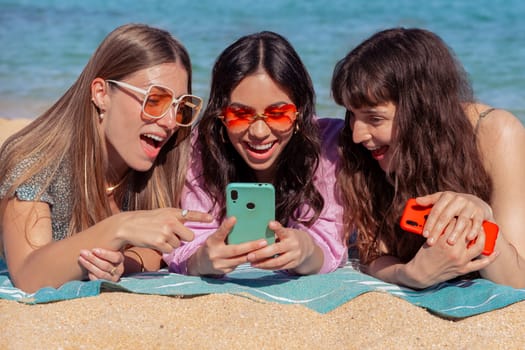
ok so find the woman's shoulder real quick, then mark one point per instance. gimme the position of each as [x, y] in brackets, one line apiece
[500, 134]
[330, 123]
[329, 128]
[480, 111]
[493, 122]
[51, 184]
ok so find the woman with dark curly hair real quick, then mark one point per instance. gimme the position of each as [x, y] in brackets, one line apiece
[259, 126]
[413, 129]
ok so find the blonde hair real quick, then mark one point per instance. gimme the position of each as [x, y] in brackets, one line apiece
[68, 132]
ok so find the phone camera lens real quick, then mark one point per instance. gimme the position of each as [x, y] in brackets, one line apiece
[234, 195]
[412, 223]
[250, 205]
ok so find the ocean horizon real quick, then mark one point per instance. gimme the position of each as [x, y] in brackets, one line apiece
[46, 44]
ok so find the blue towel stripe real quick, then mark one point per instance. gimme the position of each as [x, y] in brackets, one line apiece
[322, 293]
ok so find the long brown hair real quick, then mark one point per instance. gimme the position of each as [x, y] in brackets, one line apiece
[67, 132]
[434, 144]
[298, 162]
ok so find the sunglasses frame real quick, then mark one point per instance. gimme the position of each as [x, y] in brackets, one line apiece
[175, 101]
[263, 116]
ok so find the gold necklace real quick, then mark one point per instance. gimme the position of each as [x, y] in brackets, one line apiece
[110, 189]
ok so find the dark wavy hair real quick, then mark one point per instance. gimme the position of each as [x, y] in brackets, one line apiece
[296, 165]
[434, 144]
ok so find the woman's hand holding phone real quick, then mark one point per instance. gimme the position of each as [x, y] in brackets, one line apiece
[294, 250]
[249, 235]
[216, 258]
[422, 217]
[451, 249]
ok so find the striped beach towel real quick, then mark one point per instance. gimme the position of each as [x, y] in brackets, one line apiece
[322, 293]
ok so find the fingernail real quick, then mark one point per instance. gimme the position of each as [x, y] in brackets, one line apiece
[431, 240]
[263, 243]
[426, 233]
[250, 257]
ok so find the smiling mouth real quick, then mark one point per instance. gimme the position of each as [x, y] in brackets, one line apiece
[378, 152]
[260, 148]
[152, 140]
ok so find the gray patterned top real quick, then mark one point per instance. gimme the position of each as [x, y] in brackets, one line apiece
[57, 194]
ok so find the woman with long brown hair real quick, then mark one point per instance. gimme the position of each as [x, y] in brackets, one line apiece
[260, 126]
[413, 129]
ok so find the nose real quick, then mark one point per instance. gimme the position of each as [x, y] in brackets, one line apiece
[168, 120]
[360, 132]
[259, 129]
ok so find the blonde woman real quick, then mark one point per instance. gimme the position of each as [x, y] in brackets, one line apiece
[88, 172]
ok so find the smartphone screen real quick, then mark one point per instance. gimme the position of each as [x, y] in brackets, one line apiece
[253, 205]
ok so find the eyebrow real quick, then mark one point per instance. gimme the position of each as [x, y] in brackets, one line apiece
[370, 110]
[238, 104]
[275, 104]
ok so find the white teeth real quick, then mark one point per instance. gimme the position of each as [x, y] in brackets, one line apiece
[154, 137]
[261, 147]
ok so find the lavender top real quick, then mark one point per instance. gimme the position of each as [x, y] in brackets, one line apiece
[327, 230]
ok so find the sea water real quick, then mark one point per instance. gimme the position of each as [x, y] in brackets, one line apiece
[44, 44]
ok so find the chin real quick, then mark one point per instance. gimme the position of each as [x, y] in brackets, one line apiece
[259, 167]
[141, 167]
[386, 168]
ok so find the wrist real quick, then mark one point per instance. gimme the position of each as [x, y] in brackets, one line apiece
[192, 264]
[120, 238]
[313, 262]
[134, 261]
[407, 275]
[199, 265]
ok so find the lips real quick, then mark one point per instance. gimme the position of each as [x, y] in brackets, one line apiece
[379, 153]
[152, 144]
[260, 151]
[260, 148]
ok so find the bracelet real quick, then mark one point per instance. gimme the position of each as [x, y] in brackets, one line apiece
[139, 257]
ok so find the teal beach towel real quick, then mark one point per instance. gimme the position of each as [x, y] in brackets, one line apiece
[322, 293]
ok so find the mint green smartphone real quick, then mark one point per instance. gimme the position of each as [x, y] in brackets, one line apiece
[253, 205]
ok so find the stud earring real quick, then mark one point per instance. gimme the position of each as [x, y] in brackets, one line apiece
[296, 128]
[100, 113]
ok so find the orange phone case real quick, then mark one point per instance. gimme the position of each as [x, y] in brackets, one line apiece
[415, 215]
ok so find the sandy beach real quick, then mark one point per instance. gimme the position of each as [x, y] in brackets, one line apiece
[10, 126]
[115, 320]
[132, 321]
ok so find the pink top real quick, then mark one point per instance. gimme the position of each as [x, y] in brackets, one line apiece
[327, 230]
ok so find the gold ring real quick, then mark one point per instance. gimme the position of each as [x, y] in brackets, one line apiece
[112, 272]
